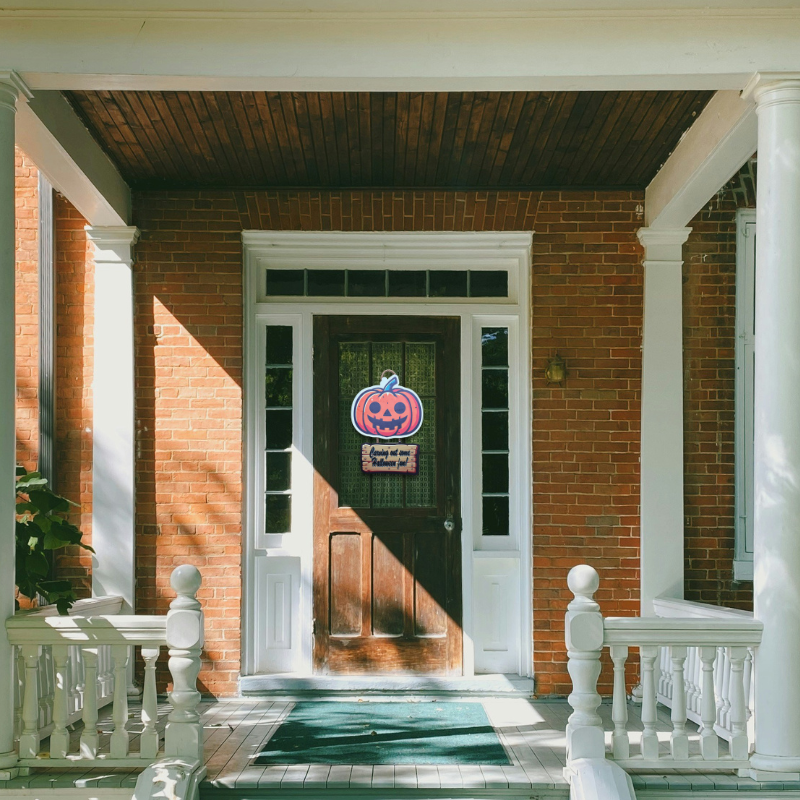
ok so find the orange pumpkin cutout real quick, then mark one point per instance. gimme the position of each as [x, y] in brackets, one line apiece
[388, 411]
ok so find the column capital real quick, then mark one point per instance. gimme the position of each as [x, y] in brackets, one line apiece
[663, 244]
[112, 243]
[768, 88]
[12, 87]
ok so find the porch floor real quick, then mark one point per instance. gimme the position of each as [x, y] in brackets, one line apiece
[530, 731]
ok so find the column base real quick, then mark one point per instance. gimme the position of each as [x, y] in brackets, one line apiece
[774, 768]
[8, 766]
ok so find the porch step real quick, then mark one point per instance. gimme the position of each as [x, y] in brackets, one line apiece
[290, 685]
[538, 792]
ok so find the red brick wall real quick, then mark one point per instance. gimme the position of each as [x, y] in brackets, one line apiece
[27, 310]
[74, 312]
[709, 316]
[587, 304]
[74, 360]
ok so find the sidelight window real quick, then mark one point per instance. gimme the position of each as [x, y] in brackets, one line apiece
[279, 378]
[494, 432]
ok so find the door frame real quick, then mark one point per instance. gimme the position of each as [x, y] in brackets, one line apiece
[277, 570]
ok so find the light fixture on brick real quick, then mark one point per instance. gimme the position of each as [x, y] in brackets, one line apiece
[556, 370]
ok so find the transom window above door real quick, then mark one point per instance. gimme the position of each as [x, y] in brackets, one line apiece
[401, 283]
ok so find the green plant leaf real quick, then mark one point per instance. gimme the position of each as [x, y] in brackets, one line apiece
[52, 542]
[43, 499]
[36, 564]
[42, 525]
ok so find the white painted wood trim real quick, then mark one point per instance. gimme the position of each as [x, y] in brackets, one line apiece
[745, 355]
[335, 250]
[50, 133]
[695, 632]
[721, 139]
[113, 428]
[661, 525]
[452, 47]
[675, 608]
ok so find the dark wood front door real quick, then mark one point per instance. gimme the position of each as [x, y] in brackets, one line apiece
[387, 552]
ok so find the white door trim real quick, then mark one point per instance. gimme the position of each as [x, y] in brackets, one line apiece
[291, 554]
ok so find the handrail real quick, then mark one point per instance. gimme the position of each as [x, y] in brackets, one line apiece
[676, 641]
[687, 632]
[89, 638]
[675, 607]
[86, 607]
[99, 630]
[671, 608]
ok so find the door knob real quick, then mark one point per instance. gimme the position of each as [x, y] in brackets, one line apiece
[449, 525]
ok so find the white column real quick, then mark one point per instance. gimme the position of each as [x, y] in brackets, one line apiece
[113, 436]
[661, 526]
[777, 424]
[11, 87]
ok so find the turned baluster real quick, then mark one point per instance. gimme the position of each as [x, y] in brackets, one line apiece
[691, 684]
[45, 687]
[29, 738]
[664, 675]
[620, 742]
[19, 693]
[89, 738]
[738, 743]
[149, 740]
[709, 741]
[59, 738]
[184, 733]
[679, 741]
[79, 677]
[648, 654]
[119, 712]
[724, 712]
[748, 682]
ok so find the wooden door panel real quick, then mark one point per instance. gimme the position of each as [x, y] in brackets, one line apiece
[429, 591]
[387, 571]
[346, 585]
[362, 656]
[388, 585]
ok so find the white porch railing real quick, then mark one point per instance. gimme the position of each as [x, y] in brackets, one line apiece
[74, 670]
[669, 608]
[91, 635]
[588, 633]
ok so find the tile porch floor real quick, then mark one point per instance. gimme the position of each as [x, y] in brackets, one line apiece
[532, 733]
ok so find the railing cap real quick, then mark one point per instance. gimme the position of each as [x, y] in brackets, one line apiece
[186, 580]
[583, 582]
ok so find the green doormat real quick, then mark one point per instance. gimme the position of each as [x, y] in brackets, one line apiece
[384, 733]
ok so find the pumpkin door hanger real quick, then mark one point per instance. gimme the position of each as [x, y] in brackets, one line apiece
[388, 411]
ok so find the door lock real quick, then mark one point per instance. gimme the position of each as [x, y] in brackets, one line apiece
[449, 525]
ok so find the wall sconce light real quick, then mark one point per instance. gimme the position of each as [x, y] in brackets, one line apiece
[556, 370]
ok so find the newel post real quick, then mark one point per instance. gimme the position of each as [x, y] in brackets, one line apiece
[184, 734]
[583, 629]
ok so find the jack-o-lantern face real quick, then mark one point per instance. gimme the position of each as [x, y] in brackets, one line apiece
[388, 411]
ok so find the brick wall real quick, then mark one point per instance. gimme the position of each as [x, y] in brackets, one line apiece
[27, 310]
[74, 361]
[74, 312]
[587, 304]
[709, 316]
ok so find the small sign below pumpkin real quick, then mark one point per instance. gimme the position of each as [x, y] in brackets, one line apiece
[387, 411]
[390, 457]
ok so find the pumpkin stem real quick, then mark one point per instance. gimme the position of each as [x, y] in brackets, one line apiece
[388, 384]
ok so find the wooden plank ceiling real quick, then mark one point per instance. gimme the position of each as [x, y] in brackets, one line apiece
[470, 140]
